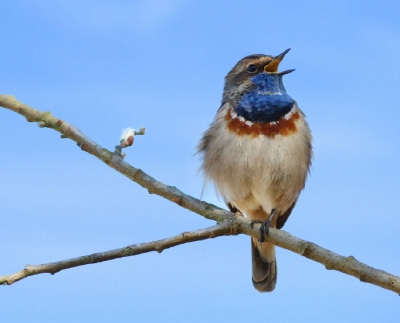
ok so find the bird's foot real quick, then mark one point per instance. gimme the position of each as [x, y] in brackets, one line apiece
[264, 228]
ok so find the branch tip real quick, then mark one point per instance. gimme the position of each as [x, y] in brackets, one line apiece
[140, 132]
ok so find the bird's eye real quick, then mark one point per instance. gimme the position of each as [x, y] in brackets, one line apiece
[252, 68]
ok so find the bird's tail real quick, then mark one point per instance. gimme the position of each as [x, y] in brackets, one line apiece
[265, 271]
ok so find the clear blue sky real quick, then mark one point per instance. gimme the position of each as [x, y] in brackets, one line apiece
[106, 65]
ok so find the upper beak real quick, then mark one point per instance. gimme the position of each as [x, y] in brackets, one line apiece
[273, 66]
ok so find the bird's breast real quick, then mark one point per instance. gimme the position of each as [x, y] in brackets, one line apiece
[256, 163]
[286, 125]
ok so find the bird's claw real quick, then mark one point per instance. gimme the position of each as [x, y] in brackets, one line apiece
[264, 229]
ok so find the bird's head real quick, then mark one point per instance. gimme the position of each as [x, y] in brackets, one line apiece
[252, 70]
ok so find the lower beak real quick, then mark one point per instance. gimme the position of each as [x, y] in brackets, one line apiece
[273, 66]
[285, 72]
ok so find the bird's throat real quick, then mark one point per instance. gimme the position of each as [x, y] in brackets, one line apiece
[256, 107]
[267, 101]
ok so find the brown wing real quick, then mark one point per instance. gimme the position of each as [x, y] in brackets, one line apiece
[282, 218]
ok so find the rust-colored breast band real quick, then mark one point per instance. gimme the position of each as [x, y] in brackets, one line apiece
[283, 126]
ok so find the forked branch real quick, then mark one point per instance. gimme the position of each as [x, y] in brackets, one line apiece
[227, 223]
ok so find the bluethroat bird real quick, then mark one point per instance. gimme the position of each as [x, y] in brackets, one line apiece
[258, 152]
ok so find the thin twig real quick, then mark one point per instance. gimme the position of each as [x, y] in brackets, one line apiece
[132, 250]
[228, 223]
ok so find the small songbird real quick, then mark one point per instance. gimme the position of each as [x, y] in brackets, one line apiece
[258, 152]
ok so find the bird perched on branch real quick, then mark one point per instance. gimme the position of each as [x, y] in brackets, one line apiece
[258, 152]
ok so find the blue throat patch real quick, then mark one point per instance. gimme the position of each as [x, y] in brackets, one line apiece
[268, 102]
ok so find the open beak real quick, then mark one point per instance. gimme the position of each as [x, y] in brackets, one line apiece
[273, 66]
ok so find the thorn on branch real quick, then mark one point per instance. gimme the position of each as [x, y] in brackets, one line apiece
[41, 124]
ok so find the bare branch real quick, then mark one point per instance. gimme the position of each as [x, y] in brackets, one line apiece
[132, 250]
[228, 223]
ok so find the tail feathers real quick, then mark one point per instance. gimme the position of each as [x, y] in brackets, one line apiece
[265, 271]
